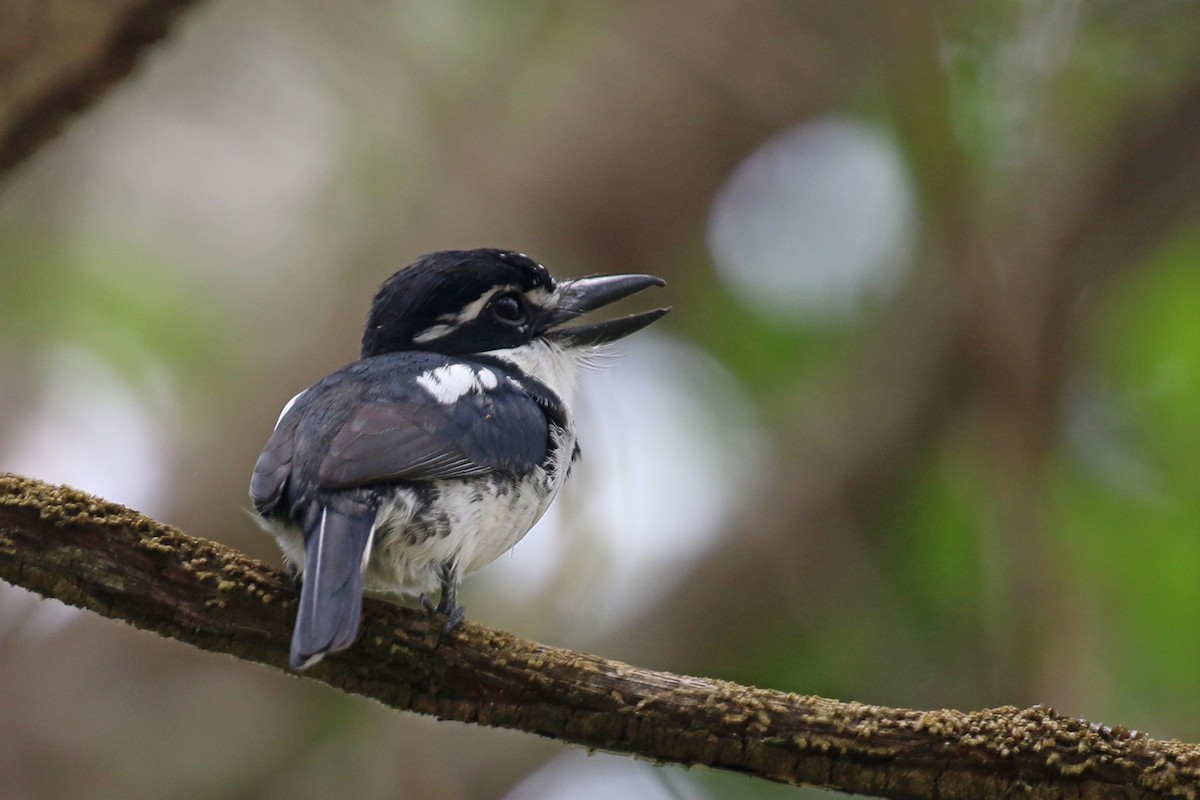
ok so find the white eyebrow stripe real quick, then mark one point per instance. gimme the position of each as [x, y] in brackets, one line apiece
[432, 332]
[448, 322]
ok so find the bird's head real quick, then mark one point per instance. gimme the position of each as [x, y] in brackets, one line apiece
[460, 302]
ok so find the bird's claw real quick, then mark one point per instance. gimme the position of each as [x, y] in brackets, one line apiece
[447, 608]
[453, 618]
[428, 605]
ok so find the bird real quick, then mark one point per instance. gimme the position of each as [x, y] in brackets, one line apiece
[436, 451]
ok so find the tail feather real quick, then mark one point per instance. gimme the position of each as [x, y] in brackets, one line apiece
[336, 554]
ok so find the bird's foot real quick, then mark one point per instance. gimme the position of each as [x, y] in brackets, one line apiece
[453, 617]
[428, 605]
[447, 608]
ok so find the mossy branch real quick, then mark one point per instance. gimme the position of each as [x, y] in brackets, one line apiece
[82, 550]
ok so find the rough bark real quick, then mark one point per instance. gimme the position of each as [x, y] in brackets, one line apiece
[82, 550]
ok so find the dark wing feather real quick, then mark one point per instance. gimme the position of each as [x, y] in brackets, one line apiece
[413, 437]
[274, 466]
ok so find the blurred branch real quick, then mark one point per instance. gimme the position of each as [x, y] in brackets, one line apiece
[58, 56]
[1147, 189]
[104, 557]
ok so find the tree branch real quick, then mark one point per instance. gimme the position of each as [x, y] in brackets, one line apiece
[58, 56]
[82, 550]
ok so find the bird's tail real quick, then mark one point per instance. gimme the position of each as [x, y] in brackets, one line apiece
[336, 553]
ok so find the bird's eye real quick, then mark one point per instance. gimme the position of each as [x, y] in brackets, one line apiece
[508, 308]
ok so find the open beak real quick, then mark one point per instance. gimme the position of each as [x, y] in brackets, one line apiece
[576, 297]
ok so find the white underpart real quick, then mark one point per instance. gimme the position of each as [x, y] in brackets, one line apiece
[480, 530]
[288, 407]
[450, 382]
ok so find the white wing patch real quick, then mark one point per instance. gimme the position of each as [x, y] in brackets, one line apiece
[450, 382]
[287, 408]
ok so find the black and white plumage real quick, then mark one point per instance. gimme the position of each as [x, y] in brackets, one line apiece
[437, 451]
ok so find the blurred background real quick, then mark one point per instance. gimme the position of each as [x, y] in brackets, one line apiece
[920, 431]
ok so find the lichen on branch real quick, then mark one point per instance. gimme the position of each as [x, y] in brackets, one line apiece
[104, 557]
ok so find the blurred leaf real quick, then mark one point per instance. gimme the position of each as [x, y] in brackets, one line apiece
[128, 308]
[931, 542]
[1151, 341]
[765, 353]
[1135, 535]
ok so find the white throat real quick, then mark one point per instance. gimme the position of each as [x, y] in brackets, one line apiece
[547, 362]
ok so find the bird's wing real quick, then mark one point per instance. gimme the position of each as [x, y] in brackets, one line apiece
[423, 434]
[274, 465]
